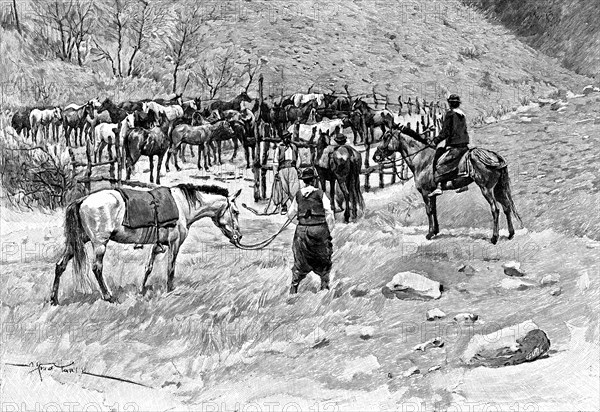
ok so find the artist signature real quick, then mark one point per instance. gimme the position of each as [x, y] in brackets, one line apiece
[68, 368]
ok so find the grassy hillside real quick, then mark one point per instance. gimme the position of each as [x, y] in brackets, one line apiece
[416, 49]
[567, 30]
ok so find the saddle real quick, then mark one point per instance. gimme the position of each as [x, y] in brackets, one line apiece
[155, 208]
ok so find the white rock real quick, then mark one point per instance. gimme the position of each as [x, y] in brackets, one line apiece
[410, 285]
[556, 291]
[431, 343]
[597, 89]
[466, 317]
[526, 119]
[588, 90]
[435, 313]
[583, 282]
[513, 268]
[515, 284]
[490, 120]
[503, 338]
[550, 279]
[412, 371]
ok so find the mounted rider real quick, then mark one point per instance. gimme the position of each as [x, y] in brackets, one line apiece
[312, 246]
[286, 163]
[454, 133]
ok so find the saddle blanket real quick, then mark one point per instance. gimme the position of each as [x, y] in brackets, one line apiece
[140, 207]
[487, 157]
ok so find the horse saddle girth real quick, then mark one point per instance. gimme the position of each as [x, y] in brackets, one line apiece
[154, 208]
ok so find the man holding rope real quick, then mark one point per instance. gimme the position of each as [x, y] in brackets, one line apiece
[312, 246]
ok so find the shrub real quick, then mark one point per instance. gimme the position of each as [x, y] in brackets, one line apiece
[36, 175]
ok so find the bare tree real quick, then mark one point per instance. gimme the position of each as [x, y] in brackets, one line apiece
[114, 19]
[70, 20]
[182, 45]
[218, 72]
[144, 19]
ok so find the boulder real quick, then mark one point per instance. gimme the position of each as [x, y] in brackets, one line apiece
[513, 268]
[467, 270]
[483, 345]
[510, 346]
[466, 317]
[556, 291]
[515, 284]
[490, 120]
[359, 291]
[588, 90]
[431, 343]
[550, 279]
[410, 285]
[434, 314]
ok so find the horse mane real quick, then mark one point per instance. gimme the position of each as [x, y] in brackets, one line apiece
[190, 190]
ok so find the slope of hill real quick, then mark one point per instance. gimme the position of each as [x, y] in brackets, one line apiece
[567, 30]
[416, 49]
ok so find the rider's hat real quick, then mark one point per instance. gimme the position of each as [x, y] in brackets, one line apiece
[308, 173]
[454, 98]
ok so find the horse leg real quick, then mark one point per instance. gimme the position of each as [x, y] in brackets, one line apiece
[99, 251]
[58, 271]
[151, 168]
[436, 228]
[507, 212]
[182, 153]
[174, 250]
[160, 160]
[344, 189]
[200, 155]
[489, 196]
[431, 232]
[149, 267]
[332, 193]
[235, 149]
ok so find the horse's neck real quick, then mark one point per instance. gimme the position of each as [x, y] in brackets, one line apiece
[207, 206]
[415, 155]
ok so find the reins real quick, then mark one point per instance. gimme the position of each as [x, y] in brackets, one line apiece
[264, 243]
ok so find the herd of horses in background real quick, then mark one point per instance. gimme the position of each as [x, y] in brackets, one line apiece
[165, 127]
[160, 127]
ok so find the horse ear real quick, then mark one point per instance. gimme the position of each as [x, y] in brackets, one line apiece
[232, 198]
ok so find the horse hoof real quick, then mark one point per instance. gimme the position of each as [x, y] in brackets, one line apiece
[53, 302]
[494, 240]
[429, 236]
[111, 299]
[511, 235]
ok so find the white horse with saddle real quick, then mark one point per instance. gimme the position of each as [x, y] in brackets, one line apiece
[161, 217]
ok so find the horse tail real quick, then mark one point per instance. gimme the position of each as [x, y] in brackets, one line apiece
[503, 193]
[75, 236]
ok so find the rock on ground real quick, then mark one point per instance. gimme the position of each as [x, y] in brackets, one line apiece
[513, 268]
[410, 285]
[434, 314]
[503, 338]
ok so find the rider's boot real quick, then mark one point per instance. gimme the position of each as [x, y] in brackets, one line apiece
[438, 190]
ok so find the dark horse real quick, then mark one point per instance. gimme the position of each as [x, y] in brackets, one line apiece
[148, 142]
[235, 104]
[494, 182]
[343, 166]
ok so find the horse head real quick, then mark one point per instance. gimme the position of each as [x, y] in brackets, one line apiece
[130, 121]
[227, 217]
[145, 107]
[57, 113]
[386, 147]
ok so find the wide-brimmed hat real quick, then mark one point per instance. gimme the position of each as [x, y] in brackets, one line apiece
[340, 138]
[454, 98]
[308, 173]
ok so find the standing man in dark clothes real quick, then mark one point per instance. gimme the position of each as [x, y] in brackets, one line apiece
[454, 132]
[312, 245]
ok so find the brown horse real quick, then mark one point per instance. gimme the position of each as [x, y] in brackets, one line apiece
[147, 142]
[416, 152]
[202, 136]
[343, 166]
